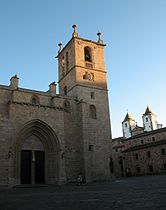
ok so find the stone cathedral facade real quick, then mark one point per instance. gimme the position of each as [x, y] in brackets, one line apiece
[49, 137]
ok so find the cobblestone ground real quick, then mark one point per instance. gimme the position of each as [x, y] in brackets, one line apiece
[129, 193]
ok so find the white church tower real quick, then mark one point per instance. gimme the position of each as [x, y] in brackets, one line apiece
[149, 120]
[128, 125]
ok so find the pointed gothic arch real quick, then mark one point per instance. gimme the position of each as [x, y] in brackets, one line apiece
[51, 146]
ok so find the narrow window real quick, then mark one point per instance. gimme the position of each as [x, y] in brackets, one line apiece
[92, 95]
[87, 54]
[136, 156]
[65, 90]
[163, 151]
[67, 62]
[142, 141]
[35, 100]
[66, 106]
[153, 139]
[91, 148]
[149, 155]
[146, 119]
[63, 66]
[92, 112]
[126, 125]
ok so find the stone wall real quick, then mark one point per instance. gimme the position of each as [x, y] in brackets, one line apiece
[142, 154]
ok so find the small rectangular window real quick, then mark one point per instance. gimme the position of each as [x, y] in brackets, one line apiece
[142, 141]
[153, 139]
[92, 95]
[136, 156]
[91, 148]
[163, 151]
[148, 153]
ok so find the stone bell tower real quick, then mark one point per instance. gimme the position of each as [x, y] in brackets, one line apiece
[82, 75]
[81, 66]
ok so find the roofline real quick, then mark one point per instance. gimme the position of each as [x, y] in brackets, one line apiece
[5, 87]
[118, 138]
[79, 38]
[138, 147]
[146, 133]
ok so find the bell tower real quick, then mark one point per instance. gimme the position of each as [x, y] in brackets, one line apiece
[81, 66]
[82, 75]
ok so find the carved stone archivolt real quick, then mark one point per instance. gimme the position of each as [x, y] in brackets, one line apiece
[38, 135]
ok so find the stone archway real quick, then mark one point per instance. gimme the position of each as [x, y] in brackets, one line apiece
[37, 142]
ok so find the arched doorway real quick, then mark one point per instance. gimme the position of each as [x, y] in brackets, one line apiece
[37, 154]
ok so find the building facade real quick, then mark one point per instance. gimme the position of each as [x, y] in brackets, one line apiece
[141, 150]
[46, 137]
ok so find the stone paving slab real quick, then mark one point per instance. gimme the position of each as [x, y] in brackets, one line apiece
[132, 193]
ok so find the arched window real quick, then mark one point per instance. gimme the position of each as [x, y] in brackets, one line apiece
[87, 54]
[67, 62]
[92, 112]
[63, 66]
[66, 106]
[35, 100]
[65, 90]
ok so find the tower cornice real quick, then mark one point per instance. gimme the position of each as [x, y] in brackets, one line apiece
[82, 39]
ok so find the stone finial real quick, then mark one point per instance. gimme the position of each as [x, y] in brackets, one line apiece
[60, 47]
[75, 34]
[52, 89]
[14, 82]
[99, 38]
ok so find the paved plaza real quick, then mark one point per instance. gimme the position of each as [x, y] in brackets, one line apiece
[147, 192]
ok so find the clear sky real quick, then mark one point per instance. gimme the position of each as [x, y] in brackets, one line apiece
[135, 56]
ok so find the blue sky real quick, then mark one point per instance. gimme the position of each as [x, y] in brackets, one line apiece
[135, 56]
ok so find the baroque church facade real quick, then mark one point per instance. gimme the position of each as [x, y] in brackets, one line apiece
[50, 137]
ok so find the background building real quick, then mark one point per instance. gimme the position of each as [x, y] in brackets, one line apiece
[141, 150]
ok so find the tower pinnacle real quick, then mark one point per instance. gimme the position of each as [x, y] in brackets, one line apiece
[60, 47]
[75, 34]
[99, 38]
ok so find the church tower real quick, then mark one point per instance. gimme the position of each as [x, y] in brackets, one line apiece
[128, 125]
[81, 67]
[149, 120]
[82, 75]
